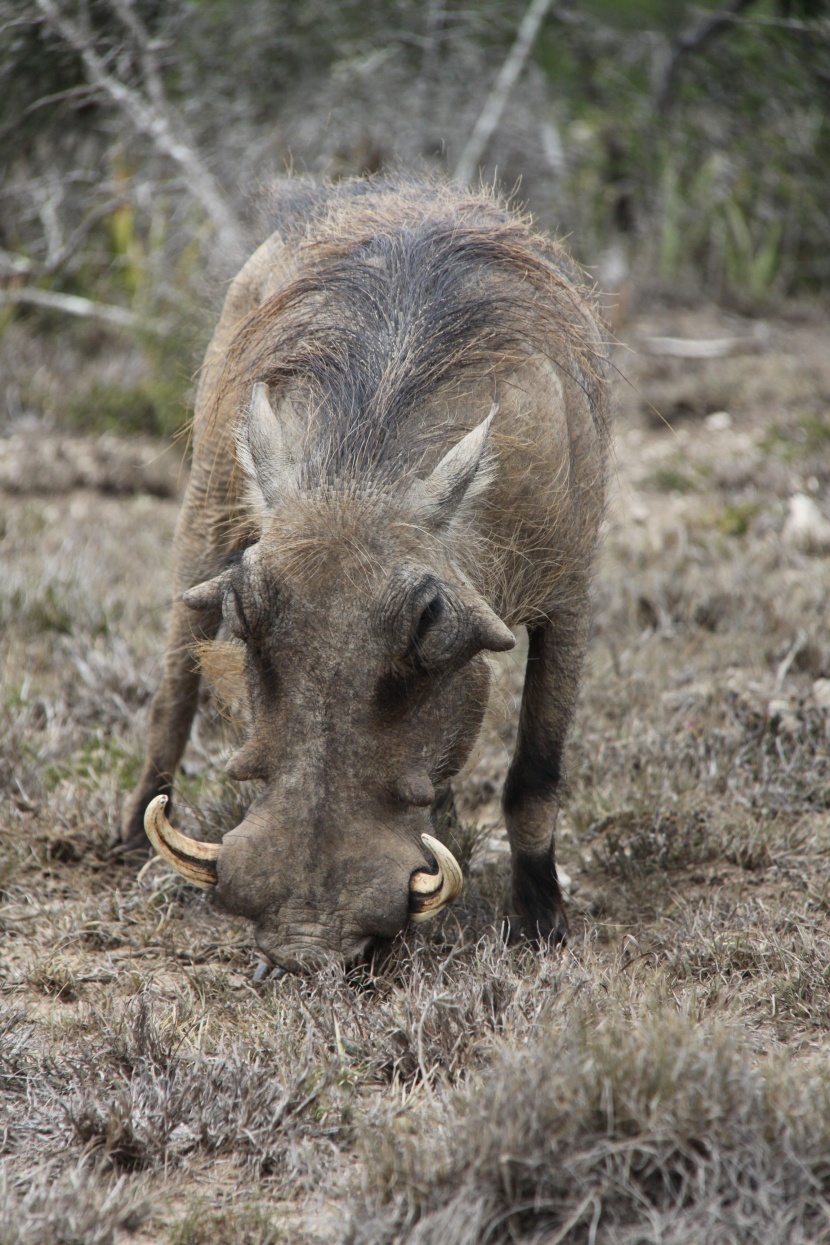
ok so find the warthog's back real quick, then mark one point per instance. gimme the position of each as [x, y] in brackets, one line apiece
[387, 318]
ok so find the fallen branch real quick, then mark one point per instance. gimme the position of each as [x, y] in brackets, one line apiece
[704, 348]
[74, 305]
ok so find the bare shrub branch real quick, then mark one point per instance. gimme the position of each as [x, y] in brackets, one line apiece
[694, 40]
[74, 305]
[149, 112]
[491, 113]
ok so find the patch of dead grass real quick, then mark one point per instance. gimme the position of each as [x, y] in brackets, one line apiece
[632, 1088]
[623, 1125]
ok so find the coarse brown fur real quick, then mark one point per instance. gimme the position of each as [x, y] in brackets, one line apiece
[365, 565]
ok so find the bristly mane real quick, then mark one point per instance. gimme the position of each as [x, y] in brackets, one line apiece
[393, 298]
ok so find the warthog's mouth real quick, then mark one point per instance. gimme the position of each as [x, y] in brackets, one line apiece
[430, 889]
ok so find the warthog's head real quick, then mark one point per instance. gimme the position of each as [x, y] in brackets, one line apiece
[363, 651]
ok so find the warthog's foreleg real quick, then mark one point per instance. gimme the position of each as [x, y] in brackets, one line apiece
[205, 534]
[555, 652]
[174, 704]
[171, 717]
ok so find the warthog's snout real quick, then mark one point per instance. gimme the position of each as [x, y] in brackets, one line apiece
[404, 882]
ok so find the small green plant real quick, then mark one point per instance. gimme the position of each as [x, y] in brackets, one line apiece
[42, 611]
[777, 441]
[234, 1225]
[736, 519]
[811, 435]
[672, 480]
[750, 266]
[816, 431]
[128, 254]
[102, 754]
[671, 234]
[155, 407]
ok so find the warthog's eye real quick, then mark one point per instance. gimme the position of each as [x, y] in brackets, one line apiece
[233, 613]
[432, 646]
[251, 604]
[431, 614]
[440, 635]
[432, 628]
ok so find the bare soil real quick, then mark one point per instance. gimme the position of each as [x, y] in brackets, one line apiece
[149, 1090]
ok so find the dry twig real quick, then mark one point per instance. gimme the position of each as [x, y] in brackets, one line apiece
[491, 113]
[148, 111]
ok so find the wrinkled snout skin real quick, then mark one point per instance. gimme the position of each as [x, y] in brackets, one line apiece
[348, 752]
[343, 904]
[399, 456]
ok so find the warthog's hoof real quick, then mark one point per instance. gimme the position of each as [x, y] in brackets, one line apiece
[267, 972]
[538, 908]
[553, 936]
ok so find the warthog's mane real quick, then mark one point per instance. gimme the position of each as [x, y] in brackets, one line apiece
[403, 291]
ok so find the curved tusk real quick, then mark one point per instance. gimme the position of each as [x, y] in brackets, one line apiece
[430, 892]
[194, 860]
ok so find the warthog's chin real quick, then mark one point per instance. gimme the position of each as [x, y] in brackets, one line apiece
[310, 956]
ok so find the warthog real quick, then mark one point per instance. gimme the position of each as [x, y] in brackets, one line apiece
[398, 456]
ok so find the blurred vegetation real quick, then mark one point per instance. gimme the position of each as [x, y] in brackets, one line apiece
[671, 142]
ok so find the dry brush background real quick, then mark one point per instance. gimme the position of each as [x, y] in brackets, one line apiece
[664, 1079]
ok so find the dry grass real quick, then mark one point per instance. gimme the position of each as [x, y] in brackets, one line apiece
[630, 1123]
[662, 1080]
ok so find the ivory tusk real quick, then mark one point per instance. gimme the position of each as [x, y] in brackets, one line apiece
[430, 892]
[194, 860]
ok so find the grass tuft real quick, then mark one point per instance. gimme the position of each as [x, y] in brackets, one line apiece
[641, 1128]
[245, 1225]
[645, 1084]
[80, 1206]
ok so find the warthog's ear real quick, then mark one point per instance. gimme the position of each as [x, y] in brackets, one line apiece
[460, 474]
[490, 632]
[260, 450]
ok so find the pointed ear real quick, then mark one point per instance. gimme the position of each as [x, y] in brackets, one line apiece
[492, 634]
[460, 473]
[217, 598]
[260, 449]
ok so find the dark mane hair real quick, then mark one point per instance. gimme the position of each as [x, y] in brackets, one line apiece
[395, 295]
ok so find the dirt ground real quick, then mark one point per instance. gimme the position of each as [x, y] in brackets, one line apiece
[150, 1090]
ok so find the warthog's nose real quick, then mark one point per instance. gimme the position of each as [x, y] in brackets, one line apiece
[313, 893]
